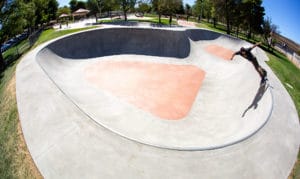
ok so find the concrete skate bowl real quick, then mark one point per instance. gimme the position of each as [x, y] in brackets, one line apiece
[173, 89]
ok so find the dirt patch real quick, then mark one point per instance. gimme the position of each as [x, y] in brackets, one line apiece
[22, 161]
[27, 160]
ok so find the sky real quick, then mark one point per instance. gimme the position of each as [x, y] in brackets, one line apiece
[285, 14]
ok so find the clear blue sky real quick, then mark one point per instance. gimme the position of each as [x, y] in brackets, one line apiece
[63, 3]
[284, 13]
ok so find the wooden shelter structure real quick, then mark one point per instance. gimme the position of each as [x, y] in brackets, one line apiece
[80, 13]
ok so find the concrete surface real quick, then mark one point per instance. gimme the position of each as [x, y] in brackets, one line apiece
[76, 130]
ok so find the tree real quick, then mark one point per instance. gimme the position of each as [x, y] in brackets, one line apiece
[225, 10]
[207, 6]
[143, 7]
[126, 5]
[3, 17]
[13, 22]
[168, 7]
[253, 15]
[214, 15]
[81, 4]
[268, 30]
[187, 11]
[52, 9]
[73, 5]
[197, 9]
[45, 10]
[94, 8]
[158, 8]
[29, 9]
[63, 10]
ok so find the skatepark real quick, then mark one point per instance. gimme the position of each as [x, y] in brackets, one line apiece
[134, 102]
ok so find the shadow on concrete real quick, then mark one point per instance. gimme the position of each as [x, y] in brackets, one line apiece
[260, 93]
[116, 41]
[137, 41]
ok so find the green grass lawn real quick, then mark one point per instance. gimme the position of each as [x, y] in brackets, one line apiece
[288, 74]
[52, 34]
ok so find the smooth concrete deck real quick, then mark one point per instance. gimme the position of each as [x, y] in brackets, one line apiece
[76, 130]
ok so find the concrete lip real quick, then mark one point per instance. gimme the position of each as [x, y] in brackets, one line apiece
[171, 89]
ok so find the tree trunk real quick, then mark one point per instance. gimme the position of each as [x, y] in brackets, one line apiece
[125, 15]
[215, 22]
[159, 18]
[227, 18]
[2, 64]
[237, 31]
[249, 32]
[170, 20]
[96, 18]
[227, 27]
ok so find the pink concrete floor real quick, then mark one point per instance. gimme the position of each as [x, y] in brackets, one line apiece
[219, 51]
[165, 90]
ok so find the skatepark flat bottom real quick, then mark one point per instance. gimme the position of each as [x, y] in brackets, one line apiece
[176, 99]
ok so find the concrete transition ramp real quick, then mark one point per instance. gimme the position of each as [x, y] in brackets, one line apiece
[167, 95]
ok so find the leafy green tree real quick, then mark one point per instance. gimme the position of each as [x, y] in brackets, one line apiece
[180, 9]
[170, 7]
[198, 9]
[157, 6]
[126, 5]
[41, 11]
[73, 5]
[29, 9]
[203, 8]
[254, 16]
[3, 19]
[81, 4]
[99, 6]
[94, 8]
[167, 7]
[110, 5]
[63, 10]
[188, 11]
[268, 30]
[143, 7]
[237, 16]
[207, 6]
[214, 15]
[12, 21]
[51, 9]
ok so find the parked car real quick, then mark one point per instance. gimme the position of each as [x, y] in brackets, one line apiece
[4, 47]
